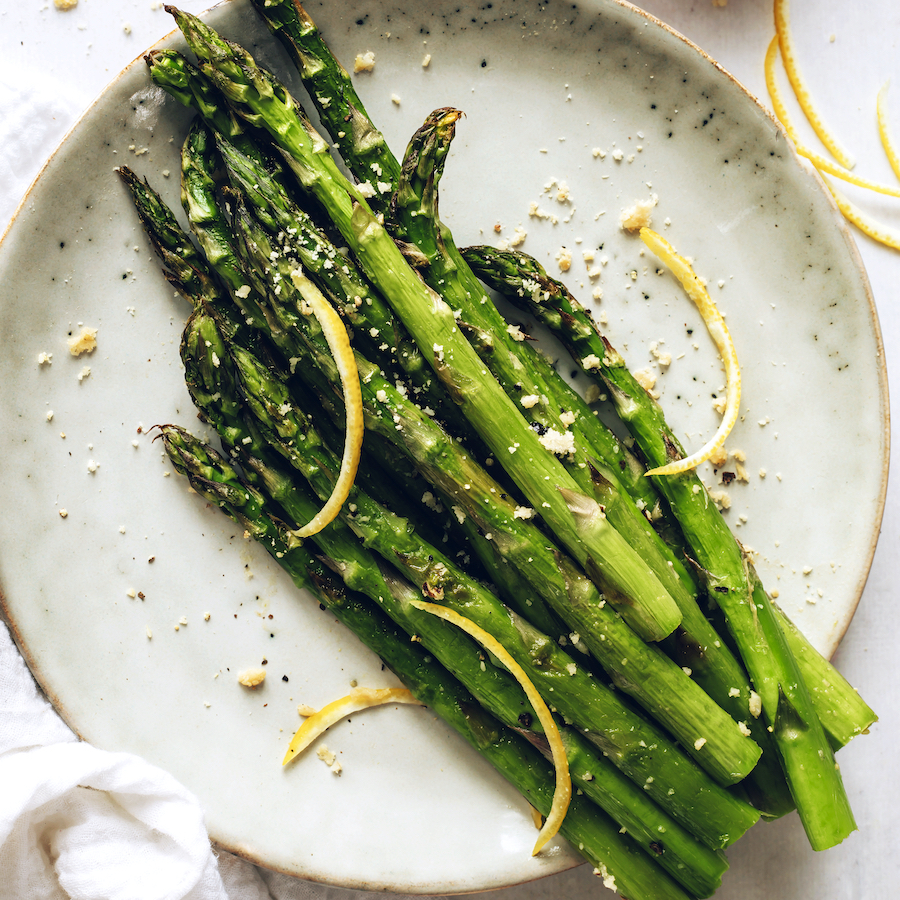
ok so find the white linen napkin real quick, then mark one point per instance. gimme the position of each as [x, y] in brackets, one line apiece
[82, 823]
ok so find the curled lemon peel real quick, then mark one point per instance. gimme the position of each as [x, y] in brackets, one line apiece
[863, 221]
[820, 162]
[358, 699]
[884, 132]
[718, 331]
[775, 94]
[804, 98]
[562, 794]
[339, 343]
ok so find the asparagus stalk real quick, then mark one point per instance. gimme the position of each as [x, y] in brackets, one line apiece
[267, 104]
[651, 678]
[637, 749]
[688, 862]
[414, 214]
[191, 88]
[597, 836]
[787, 705]
[339, 107]
[656, 688]
[213, 384]
[432, 324]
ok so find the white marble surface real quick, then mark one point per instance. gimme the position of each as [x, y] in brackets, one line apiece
[78, 52]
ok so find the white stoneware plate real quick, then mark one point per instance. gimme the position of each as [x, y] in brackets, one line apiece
[551, 91]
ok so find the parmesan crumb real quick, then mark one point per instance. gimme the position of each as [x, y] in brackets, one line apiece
[395, 99]
[564, 259]
[755, 704]
[252, 678]
[560, 443]
[65, 5]
[719, 457]
[84, 373]
[721, 499]
[523, 512]
[647, 380]
[637, 215]
[45, 359]
[530, 400]
[698, 744]
[745, 731]
[63, 513]
[661, 356]
[609, 880]
[306, 711]
[86, 342]
[364, 62]
[426, 60]
[327, 756]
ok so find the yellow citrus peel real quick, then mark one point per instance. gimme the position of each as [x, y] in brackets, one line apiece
[562, 794]
[804, 98]
[718, 331]
[820, 162]
[864, 222]
[358, 699]
[884, 131]
[339, 343]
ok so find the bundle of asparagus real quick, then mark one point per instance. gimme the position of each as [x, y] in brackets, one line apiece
[557, 541]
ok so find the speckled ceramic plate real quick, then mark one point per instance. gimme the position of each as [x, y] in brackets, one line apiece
[596, 96]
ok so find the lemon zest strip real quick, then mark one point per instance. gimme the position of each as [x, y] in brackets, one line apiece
[820, 162]
[339, 344]
[718, 331]
[562, 794]
[890, 148]
[358, 699]
[775, 92]
[863, 221]
[804, 98]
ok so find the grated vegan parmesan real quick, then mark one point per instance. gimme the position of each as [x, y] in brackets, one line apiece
[86, 342]
[364, 62]
[637, 215]
[329, 758]
[562, 443]
[252, 678]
